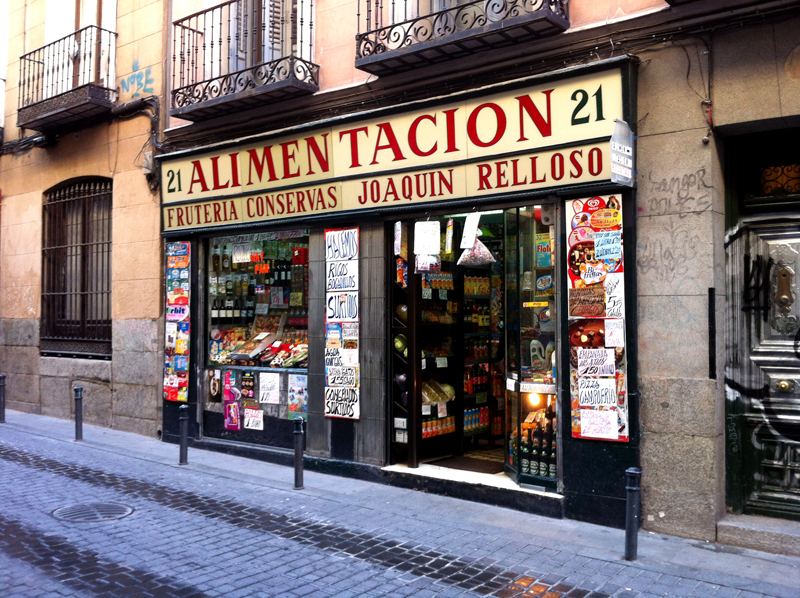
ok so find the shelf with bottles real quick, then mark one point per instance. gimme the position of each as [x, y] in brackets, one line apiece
[476, 421]
[538, 448]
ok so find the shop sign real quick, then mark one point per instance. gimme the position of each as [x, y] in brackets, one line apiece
[342, 392]
[498, 143]
[596, 302]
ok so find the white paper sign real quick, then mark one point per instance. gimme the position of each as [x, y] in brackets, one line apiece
[441, 362]
[426, 410]
[241, 253]
[427, 237]
[607, 245]
[269, 388]
[341, 245]
[341, 276]
[262, 309]
[442, 409]
[341, 357]
[253, 419]
[342, 376]
[511, 384]
[597, 392]
[615, 295]
[341, 307]
[349, 330]
[615, 332]
[595, 362]
[427, 293]
[470, 230]
[599, 424]
[341, 401]
[443, 294]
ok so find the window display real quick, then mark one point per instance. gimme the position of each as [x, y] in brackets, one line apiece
[532, 420]
[258, 300]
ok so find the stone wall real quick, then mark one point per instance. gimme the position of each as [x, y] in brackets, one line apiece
[679, 257]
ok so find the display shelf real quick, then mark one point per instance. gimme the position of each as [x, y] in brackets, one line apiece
[476, 362]
[477, 297]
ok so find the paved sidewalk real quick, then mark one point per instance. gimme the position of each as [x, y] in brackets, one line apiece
[227, 526]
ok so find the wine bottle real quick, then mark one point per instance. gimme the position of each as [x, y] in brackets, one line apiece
[214, 313]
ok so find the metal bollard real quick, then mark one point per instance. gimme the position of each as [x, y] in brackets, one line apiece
[632, 512]
[299, 438]
[2, 398]
[184, 422]
[78, 412]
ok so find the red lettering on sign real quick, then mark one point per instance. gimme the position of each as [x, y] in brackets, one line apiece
[391, 143]
[451, 130]
[312, 146]
[258, 163]
[484, 171]
[412, 135]
[573, 158]
[354, 144]
[215, 174]
[289, 157]
[472, 125]
[526, 105]
[197, 177]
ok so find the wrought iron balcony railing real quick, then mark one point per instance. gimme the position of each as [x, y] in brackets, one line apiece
[242, 53]
[85, 57]
[428, 31]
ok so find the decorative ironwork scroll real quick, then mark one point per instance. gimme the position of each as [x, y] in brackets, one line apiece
[438, 24]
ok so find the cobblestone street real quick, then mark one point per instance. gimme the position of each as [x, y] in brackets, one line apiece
[226, 526]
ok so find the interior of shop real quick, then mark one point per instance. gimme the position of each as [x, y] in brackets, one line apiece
[473, 301]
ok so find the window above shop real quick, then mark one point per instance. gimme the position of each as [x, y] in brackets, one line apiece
[242, 54]
[407, 34]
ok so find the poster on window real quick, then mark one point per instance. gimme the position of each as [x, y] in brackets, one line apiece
[177, 327]
[342, 323]
[596, 311]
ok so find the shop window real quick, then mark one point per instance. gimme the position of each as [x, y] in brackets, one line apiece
[258, 290]
[76, 270]
[258, 336]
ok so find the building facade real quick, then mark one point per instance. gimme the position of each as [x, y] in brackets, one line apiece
[500, 250]
[81, 281]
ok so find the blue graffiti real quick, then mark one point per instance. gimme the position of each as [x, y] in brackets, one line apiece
[138, 82]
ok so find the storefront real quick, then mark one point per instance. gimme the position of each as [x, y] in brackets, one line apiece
[436, 284]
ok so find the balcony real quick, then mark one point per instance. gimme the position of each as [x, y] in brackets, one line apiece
[69, 82]
[406, 34]
[242, 54]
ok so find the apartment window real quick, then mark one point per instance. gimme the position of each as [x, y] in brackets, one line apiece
[76, 270]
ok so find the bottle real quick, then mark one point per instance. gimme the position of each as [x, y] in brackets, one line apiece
[536, 447]
[544, 454]
[553, 468]
[214, 313]
[251, 286]
[229, 285]
[229, 310]
[243, 312]
[226, 258]
[216, 259]
[237, 311]
[524, 452]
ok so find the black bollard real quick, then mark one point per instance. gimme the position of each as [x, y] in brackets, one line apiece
[299, 438]
[78, 412]
[632, 512]
[2, 398]
[184, 421]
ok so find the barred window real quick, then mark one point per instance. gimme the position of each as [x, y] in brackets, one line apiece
[76, 270]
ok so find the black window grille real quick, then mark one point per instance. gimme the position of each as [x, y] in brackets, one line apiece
[76, 270]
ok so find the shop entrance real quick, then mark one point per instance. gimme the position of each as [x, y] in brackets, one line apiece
[473, 306]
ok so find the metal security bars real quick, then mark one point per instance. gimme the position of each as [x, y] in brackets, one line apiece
[85, 57]
[240, 45]
[76, 270]
[389, 25]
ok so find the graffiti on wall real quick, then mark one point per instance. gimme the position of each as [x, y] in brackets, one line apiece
[139, 82]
